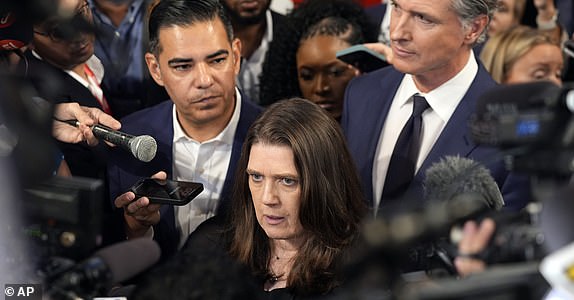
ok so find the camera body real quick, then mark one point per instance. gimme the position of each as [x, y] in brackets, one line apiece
[533, 124]
[518, 237]
[63, 217]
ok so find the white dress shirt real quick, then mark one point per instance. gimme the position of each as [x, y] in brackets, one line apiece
[443, 101]
[97, 68]
[206, 163]
[248, 77]
[94, 63]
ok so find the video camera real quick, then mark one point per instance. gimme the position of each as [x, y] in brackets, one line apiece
[62, 216]
[534, 126]
[533, 122]
[59, 219]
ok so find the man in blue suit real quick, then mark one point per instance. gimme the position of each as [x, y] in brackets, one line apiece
[199, 132]
[432, 57]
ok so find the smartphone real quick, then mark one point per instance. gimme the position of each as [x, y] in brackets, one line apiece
[167, 191]
[363, 58]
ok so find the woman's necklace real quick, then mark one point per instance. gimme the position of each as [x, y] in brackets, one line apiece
[273, 277]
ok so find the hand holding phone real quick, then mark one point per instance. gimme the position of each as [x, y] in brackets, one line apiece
[363, 58]
[160, 191]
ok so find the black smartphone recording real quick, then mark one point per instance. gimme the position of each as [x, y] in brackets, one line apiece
[171, 192]
[363, 58]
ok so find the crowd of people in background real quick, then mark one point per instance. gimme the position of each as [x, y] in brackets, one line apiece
[295, 148]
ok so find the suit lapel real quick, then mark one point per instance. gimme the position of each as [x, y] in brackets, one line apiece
[163, 133]
[455, 138]
[388, 86]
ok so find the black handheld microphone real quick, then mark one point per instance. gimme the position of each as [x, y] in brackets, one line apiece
[142, 147]
[108, 266]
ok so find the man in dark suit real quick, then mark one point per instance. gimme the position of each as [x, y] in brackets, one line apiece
[200, 132]
[255, 25]
[432, 58]
[63, 64]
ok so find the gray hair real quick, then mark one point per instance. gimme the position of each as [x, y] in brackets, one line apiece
[469, 10]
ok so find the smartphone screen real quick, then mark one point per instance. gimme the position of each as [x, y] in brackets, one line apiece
[167, 191]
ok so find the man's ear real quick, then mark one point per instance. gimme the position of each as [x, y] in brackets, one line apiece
[236, 49]
[153, 67]
[475, 29]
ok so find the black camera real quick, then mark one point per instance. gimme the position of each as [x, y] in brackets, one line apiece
[533, 122]
[63, 216]
[518, 237]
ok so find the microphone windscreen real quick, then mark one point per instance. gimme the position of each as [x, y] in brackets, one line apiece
[129, 258]
[143, 147]
[455, 176]
[15, 32]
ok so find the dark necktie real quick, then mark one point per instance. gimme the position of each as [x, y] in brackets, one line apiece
[404, 158]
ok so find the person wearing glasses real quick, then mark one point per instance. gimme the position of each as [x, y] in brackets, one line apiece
[62, 62]
[66, 43]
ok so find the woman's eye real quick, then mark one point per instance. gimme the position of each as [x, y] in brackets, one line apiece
[256, 177]
[540, 75]
[289, 181]
[306, 76]
[337, 72]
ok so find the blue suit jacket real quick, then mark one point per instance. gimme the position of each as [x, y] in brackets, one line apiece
[367, 102]
[124, 170]
[376, 14]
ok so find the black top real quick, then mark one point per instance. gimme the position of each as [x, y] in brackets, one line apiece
[210, 238]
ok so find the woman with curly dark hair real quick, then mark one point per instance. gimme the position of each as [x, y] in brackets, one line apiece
[301, 62]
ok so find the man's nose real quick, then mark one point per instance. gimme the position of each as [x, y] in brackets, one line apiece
[204, 78]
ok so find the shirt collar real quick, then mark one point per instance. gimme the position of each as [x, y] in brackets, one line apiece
[444, 99]
[269, 32]
[94, 63]
[225, 136]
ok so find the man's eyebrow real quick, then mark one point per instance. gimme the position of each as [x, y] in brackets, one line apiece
[175, 61]
[217, 53]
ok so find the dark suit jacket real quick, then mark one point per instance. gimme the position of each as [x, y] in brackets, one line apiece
[278, 21]
[376, 14]
[367, 102]
[156, 121]
[56, 86]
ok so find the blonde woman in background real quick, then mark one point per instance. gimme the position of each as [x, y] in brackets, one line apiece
[523, 54]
